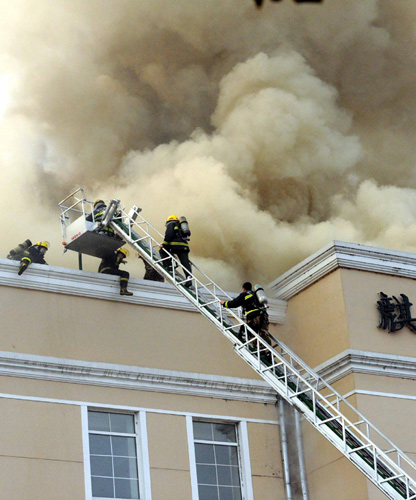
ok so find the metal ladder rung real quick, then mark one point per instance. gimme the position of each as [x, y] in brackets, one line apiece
[363, 447]
[331, 419]
[387, 479]
[359, 422]
[299, 393]
[208, 303]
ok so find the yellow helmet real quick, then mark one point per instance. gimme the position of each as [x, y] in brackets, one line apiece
[124, 251]
[98, 202]
[171, 217]
[44, 244]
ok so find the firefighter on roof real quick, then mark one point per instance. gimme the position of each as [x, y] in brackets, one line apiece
[176, 242]
[111, 264]
[255, 312]
[30, 255]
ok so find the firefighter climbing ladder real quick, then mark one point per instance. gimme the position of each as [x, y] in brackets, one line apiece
[333, 416]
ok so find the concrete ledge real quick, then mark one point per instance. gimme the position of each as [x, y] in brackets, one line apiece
[105, 287]
[342, 255]
[370, 363]
[134, 378]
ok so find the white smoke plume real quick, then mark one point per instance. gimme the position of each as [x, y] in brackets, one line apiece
[274, 130]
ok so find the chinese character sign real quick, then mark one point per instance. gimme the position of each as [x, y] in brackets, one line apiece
[394, 313]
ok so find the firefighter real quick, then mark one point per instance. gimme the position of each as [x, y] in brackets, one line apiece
[34, 254]
[176, 243]
[97, 215]
[110, 265]
[150, 273]
[256, 316]
[16, 253]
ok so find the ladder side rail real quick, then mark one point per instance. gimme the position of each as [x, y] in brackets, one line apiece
[352, 427]
[133, 222]
[149, 256]
[340, 398]
[128, 236]
[264, 372]
[371, 472]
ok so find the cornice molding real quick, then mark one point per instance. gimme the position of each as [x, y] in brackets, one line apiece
[105, 287]
[135, 378]
[337, 255]
[370, 363]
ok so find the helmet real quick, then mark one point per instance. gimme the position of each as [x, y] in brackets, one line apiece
[171, 217]
[98, 202]
[44, 244]
[123, 251]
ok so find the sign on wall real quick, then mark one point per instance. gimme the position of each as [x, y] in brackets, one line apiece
[394, 313]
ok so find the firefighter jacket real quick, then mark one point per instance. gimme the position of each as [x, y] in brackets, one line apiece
[98, 216]
[32, 256]
[110, 262]
[249, 303]
[173, 236]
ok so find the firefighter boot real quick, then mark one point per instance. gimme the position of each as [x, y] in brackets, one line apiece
[123, 288]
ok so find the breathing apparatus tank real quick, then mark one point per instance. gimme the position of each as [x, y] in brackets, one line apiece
[261, 296]
[184, 227]
[21, 247]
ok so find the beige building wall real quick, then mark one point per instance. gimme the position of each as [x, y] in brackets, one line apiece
[41, 451]
[333, 323]
[62, 354]
[67, 352]
[90, 329]
[316, 324]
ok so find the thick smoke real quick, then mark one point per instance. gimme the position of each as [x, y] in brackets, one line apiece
[274, 131]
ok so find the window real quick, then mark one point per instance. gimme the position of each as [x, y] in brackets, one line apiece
[217, 461]
[113, 455]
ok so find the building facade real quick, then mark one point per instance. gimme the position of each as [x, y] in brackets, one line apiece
[105, 396]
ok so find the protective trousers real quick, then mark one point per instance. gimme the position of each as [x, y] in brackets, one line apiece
[181, 253]
[124, 276]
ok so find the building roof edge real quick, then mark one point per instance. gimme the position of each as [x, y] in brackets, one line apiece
[340, 254]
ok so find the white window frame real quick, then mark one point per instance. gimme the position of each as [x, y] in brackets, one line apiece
[142, 451]
[243, 454]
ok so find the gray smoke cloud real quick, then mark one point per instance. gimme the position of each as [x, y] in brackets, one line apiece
[274, 131]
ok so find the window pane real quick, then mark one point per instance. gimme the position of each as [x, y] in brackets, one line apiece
[122, 423]
[203, 430]
[235, 476]
[101, 466]
[208, 493]
[225, 493]
[206, 474]
[125, 467]
[124, 446]
[224, 475]
[229, 493]
[237, 494]
[204, 454]
[226, 455]
[127, 488]
[100, 445]
[102, 487]
[98, 421]
[225, 432]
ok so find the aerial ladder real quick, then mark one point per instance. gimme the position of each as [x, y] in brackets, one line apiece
[380, 460]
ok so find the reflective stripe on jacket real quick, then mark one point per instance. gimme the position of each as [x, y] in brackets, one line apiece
[248, 301]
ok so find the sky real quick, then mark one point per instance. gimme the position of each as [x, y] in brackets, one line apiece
[273, 130]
